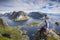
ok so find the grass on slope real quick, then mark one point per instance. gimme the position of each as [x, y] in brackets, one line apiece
[51, 38]
[13, 32]
[34, 23]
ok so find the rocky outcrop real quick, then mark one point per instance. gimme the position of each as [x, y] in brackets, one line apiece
[36, 15]
[44, 34]
[41, 34]
[12, 33]
[57, 23]
[17, 16]
[3, 23]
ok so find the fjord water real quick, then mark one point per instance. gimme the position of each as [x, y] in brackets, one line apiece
[31, 30]
[55, 18]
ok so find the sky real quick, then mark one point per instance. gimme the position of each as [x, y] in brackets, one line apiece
[45, 6]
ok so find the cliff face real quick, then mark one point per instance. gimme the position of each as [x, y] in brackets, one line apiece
[17, 16]
[44, 34]
[41, 34]
[3, 23]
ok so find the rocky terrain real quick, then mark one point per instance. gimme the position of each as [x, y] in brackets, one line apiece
[3, 23]
[36, 15]
[44, 34]
[20, 15]
[11, 33]
[57, 23]
[31, 28]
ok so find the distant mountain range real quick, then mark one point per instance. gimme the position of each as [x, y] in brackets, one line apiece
[20, 15]
[36, 15]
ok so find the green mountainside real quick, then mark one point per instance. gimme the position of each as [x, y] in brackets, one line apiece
[10, 33]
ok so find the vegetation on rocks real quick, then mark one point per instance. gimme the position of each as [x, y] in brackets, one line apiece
[51, 38]
[34, 23]
[42, 35]
[18, 16]
[57, 23]
[11, 33]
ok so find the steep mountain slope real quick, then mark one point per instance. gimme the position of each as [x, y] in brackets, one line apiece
[20, 15]
[44, 34]
[10, 33]
[3, 23]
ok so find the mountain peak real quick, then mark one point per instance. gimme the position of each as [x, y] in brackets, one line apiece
[20, 15]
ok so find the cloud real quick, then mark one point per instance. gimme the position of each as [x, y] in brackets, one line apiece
[44, 7]
[50, 4]
[4, 0]
[55, 0]
[6, 5]
[47, 6]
